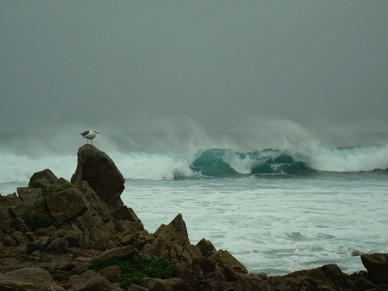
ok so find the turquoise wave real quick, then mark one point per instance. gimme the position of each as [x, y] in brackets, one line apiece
[227, 162]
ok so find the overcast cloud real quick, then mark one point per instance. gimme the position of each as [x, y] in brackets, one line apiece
[219, 63]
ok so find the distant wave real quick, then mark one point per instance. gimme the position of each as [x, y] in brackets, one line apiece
[227, 162]
[211, 162]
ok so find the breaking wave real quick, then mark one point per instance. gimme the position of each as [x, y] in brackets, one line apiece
[226, 162]
[213, 162]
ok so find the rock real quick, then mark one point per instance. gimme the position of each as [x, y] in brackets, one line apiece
[18, 224]
[327, 277]
[42, 179]
[74, 236]
[224, 258]
[377, 267]
[119, 252]
[205, 264]
[33, 246]
[125, 213]
[89, 281]
[58, 246]
[172, 242]
[155, 284]
[20, 238]
[27, 279]
[29, 195]
[135, 287]
[66, 205]
[175, 231]
[363, 284]
[101, 173]
[206, 247]
[111, 271]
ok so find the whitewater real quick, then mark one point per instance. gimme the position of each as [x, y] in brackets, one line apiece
[277, 209]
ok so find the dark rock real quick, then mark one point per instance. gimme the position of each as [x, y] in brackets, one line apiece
[33, 246]
[377, 267]
[206, 265]
[101, 173]
[125, 213]
[155, 284]
[364, 284]
[57, 246]
[42, 179]
[327, 277]
[74, 236]
[89, 281]
[135, 287]
[206, 247]
[111, 271]
[175, 231]
[119, 252]
[20, 238]
[66, 205]
[225, 258]
[18, 224]
[28, 279]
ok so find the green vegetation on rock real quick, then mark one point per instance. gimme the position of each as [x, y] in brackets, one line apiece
[35, 221]
[135, 269]
[62, 187]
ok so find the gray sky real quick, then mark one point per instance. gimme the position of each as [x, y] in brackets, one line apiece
[219, 63]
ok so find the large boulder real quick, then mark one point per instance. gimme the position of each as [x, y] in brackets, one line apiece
[42, 179]
[377, 267]
[101, 173]
[28, 279]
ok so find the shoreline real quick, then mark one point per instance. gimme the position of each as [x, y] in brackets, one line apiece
[54, 225]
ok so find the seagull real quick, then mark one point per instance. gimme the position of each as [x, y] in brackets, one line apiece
[89, 134]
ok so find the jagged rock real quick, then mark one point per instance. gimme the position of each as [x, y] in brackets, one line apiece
[175, 231]
[225, 258]
[101, 173]
[90, 281]
[206, 247]
[377, 267]
[42, 179]
[172, 241]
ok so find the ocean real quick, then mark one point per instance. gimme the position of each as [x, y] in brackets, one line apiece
[276, 209]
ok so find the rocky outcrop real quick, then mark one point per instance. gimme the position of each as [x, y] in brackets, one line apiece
[74, 214]
[377, 267]
[101, 173]
[66, 228]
